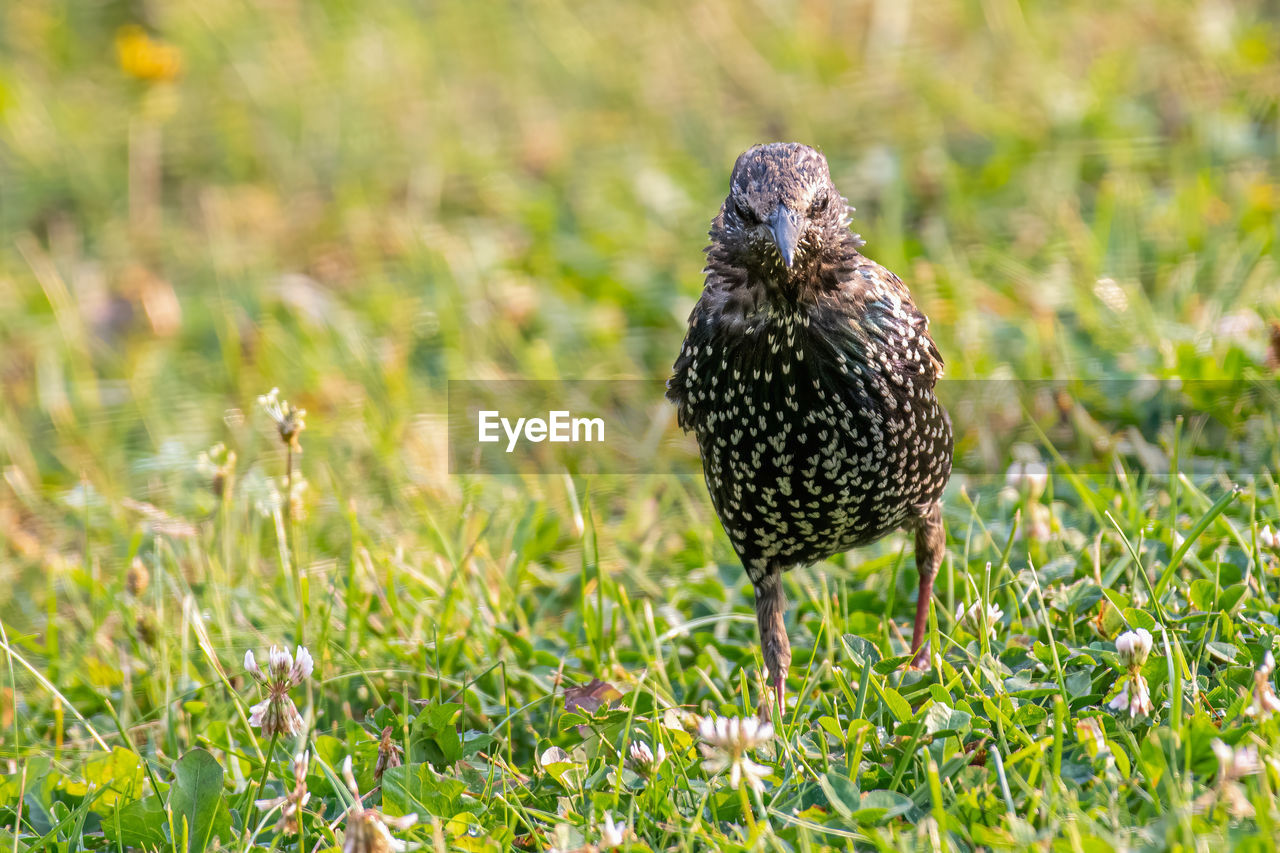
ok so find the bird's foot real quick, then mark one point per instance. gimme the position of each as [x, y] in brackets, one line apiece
[920, 662]
[773, 699]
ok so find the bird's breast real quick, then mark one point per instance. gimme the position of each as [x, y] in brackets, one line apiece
[811, 444]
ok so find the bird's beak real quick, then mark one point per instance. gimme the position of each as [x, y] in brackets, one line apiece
[786, 233]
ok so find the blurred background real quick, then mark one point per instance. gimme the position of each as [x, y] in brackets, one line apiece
[355, 202]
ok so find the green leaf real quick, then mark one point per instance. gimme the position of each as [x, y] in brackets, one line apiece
[1029, 716]
[1223, 651]
[829, 725]
[120, 772]
[1231, 596]
[433, 737]
[1203, 593]
[140, 824]
[889, 665]
[879, 806]
[196, 799]
[861, 650]
[474, 741]
[1139, 619]
[560, 766]
[1078, 684]
[417, 788]
[842, 794]
[943, 721]
[899, 707]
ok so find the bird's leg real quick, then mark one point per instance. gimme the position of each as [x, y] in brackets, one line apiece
[931, 543]
[771, 606]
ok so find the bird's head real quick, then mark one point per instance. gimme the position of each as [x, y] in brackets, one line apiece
[782, 210]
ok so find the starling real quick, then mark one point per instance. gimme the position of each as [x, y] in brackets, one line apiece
[807, 375]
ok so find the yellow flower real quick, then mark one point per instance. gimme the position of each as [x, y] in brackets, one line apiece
[143, 57]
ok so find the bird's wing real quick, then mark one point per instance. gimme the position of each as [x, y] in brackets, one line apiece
[876, 325]
[720, 314]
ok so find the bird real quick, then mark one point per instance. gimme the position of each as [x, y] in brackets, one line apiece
[807, 376]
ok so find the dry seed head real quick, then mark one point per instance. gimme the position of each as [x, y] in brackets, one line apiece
[389, 753]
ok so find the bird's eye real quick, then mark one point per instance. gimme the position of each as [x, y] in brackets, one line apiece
[744, 212]
[820, 205]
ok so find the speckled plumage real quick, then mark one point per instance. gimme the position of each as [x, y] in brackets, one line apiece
[808, 375]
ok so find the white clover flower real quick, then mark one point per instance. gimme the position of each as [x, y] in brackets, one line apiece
[292, 801]
[1135, 696]
[1030, 476]
[735, 733]
[1233, 765]
[1133, 647]
[1265, 702]
[725, 743]
[277, 714]
[613, 834]
[1089, 732]
[290, 421]
[367, 829]
[971, 619]
[1236, 763]
[218, 465]
[643, 759]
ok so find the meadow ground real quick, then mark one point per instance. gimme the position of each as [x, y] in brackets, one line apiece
[354, 203]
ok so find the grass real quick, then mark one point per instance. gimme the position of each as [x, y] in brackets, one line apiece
[355, 204]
